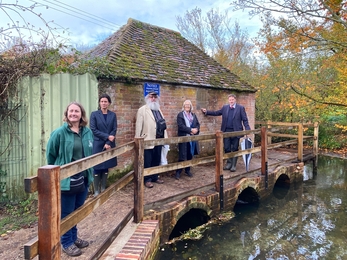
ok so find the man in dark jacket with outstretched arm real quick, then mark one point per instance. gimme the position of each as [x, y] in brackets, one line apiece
[234, 118]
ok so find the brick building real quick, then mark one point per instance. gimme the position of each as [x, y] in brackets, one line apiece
[140, 53]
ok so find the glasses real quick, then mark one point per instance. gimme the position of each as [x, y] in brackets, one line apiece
[153, 97]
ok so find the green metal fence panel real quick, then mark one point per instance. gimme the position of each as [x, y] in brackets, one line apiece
[41, 102]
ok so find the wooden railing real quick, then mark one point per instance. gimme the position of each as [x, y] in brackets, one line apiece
[47, 182]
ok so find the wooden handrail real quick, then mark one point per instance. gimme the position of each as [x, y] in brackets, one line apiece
[47, 182]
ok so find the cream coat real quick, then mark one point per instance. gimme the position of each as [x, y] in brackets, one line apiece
[145, 125]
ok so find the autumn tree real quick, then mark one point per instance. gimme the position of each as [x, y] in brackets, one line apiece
[310, 35]
[305, 45]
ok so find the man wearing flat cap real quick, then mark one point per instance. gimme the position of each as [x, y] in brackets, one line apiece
[151, 125]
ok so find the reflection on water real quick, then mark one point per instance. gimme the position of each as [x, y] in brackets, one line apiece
[306, 221]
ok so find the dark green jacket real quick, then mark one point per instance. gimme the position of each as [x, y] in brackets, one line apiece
[60, 147]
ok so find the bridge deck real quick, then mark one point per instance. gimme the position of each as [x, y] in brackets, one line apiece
[97, 226]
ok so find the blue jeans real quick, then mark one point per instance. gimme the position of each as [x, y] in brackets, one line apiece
[69, 203]
[152, 158]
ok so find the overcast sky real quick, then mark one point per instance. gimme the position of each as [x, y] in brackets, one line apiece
[90, 21]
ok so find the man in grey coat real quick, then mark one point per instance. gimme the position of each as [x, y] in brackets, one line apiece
[234, 118]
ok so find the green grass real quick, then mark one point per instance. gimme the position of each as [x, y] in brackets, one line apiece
[14, 216]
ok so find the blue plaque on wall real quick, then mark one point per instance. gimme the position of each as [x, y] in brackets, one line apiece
[149, 87]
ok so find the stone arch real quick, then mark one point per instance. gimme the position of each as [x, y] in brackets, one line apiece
[281, 171]
[247, 192]
[246, 183]
[193, 204]
[200, 209]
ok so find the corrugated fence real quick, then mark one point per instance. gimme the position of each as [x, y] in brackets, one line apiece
[39, 106]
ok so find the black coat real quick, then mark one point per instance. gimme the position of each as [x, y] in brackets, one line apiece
[102, 130]
[183, 130]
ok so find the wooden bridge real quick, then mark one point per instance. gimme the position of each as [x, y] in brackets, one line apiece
[211, 189]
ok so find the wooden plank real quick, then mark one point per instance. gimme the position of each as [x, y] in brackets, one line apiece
[282, 135]
[240, 133]
[276, 123]
[242, 152]
[281, 144]
[114, 234]
[83, 164]
[31, 248]
[179, 139]
[289, 135]
[138, 180]
[81, 213]
[219, 151]
[49, 246]
[178, 165]
[30, 184]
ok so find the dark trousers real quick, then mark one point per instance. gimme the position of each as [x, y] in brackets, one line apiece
[189, 157]
[151, 159]
[231, 144]
[69, 203]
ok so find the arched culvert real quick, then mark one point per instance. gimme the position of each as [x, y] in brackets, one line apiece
[192, 219]
[248, 198]
[281, 187]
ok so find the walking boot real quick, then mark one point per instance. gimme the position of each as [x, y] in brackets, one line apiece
[96, 184]
[177, 174]
[233, 166]
[228, 164]
[103, 181]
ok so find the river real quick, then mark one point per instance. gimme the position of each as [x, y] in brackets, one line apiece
[305, 221]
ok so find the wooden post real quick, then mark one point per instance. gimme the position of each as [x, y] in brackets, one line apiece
[138, 180]
[315, 138]
[263, 150]
[315, 144]
[300, 142]
[219, 158]
[48, 184]
[269, 126]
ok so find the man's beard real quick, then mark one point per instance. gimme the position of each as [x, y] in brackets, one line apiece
[153, 105]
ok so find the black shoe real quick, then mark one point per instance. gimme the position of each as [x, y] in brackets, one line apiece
[189, 174]
[177, 176]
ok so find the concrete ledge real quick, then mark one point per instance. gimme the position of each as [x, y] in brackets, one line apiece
[143, 244]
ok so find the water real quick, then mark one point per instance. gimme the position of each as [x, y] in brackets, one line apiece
[308, 221]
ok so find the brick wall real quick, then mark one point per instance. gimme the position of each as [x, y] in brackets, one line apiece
[128, 98]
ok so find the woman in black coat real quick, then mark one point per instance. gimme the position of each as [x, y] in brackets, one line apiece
[187, 124]
[103, 124]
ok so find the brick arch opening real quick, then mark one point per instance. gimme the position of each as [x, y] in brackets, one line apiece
[193, 218]
[281, 187]
[247, 198]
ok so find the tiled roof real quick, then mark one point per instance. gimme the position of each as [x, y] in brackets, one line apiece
[141, 51]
